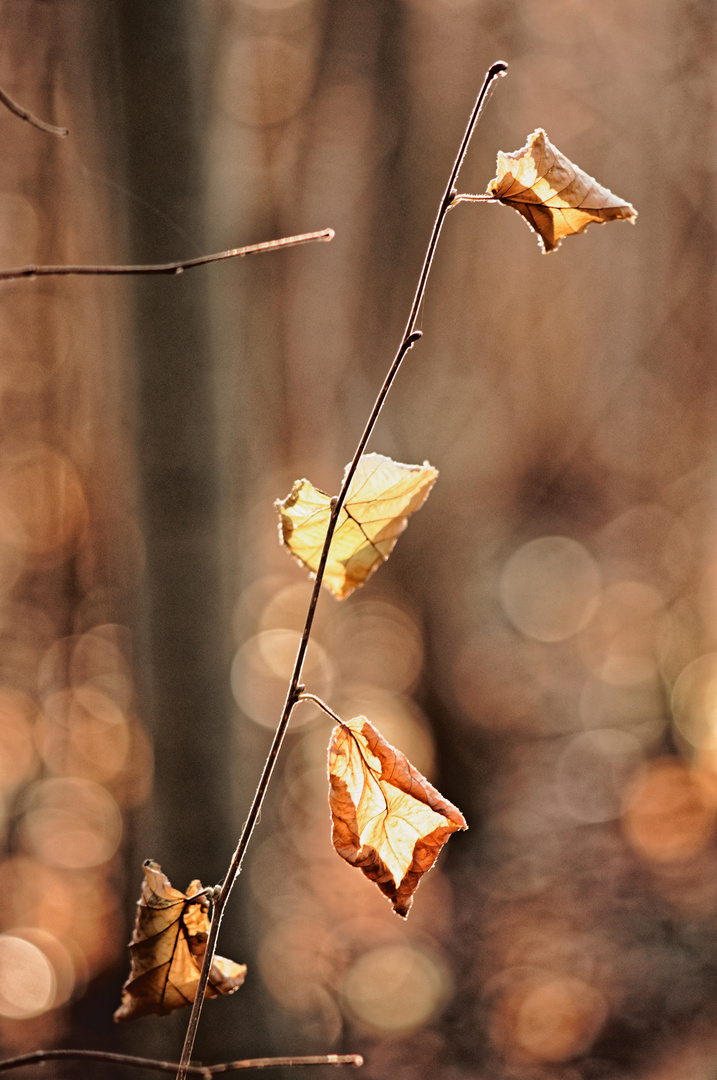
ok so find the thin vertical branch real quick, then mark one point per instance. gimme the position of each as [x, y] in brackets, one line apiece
[410, 336]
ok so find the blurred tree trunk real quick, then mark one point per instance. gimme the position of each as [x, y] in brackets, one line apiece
[194, 824]
[160, 58]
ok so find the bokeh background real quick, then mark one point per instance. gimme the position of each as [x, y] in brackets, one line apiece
[543, 642]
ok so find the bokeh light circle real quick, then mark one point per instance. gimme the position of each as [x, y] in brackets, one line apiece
[552, 1018]
[549, 588]
[260, 675]
[694, 701]
[27, 980]
[670, 811]
[72, 824]
[395, 989]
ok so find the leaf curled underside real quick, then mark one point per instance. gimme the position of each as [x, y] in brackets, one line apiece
[167, 949]
[382, 495]
[555, 197]
[387, 819]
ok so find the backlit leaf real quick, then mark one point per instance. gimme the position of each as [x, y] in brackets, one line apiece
[554, 196]
[387, 819]
[167, 950]
[382, 495]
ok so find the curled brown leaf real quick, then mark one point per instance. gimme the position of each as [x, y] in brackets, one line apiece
[387, 819]
[167, 949]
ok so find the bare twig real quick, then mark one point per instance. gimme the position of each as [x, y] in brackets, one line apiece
[410, 337]
[25, 114]
[265, 1063]
[204, 1071]
[168, 268]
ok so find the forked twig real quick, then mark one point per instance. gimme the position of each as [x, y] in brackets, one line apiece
[204, 1071]
[410, 337]
[171, 267]
[25, 114]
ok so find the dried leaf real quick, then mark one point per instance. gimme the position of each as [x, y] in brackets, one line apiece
[554, 196]
[167, 950]
[381, 496]
[387, 819]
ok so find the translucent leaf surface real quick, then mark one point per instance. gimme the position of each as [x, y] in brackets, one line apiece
[382, 495]
[554, 196]
[387, 819]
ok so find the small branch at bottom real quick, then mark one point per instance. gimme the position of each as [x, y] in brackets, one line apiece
[25, 114]
[204, 1071]
[264, 1063]
[168, 268]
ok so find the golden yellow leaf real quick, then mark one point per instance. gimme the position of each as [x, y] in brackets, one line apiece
[554, 196]
[381, 496]
[387, 819]
[167, 950]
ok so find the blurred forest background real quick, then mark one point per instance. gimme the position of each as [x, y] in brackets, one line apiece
[543, 643]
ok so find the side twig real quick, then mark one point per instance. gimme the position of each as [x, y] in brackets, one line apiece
[171, 267]
[26, 115]
[475, 198]
[410, 337]
[204, 1071]
[322, 705]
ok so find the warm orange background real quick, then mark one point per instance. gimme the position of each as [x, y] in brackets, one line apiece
[543, 642]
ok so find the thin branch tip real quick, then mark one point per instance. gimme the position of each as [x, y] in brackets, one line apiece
[498, 68]
[30, 118]
[172, 268]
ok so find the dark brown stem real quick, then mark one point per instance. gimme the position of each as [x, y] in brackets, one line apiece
[25, 114]
[410, 337]
[205, 1071]
[168, 268]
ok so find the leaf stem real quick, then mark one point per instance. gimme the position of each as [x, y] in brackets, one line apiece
[322, 705]
[474, 198]
[204, 1071]
[410, 337]
[171, 267]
